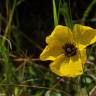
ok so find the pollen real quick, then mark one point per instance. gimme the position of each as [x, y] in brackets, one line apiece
[70, 50]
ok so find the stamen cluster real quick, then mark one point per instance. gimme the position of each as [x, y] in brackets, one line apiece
[69, 49]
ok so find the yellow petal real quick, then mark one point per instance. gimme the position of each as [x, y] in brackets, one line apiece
[72, 67]
[51, 51]
[83, 56]
[60, 33]
[84, 35]
[57, 64]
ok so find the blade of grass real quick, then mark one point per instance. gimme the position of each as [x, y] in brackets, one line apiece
[87, 11]
[67, 14]
[59, 9]
[9, 22]
[55, 13]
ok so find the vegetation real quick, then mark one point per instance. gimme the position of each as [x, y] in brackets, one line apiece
[22, 73]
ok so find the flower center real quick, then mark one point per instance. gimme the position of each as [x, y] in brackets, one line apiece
[70, 49]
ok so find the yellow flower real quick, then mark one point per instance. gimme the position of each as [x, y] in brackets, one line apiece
[67, 49]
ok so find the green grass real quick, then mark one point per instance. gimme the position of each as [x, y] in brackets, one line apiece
[24, 75]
